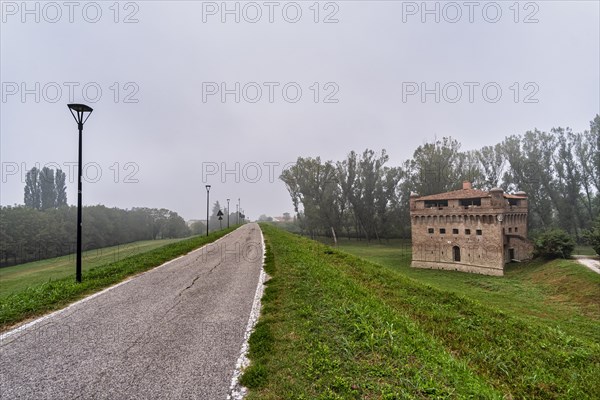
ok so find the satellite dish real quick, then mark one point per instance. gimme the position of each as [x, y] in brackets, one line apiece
[500, 217]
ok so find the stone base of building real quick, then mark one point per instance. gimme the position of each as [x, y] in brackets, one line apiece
[454, 266]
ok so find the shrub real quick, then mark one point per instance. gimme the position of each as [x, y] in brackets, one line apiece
[554, 243]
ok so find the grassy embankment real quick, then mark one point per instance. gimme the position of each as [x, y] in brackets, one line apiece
[33, 289]
[560, 294]
[18, 277]
[335, 326]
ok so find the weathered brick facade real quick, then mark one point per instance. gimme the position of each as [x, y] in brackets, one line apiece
[469, 230]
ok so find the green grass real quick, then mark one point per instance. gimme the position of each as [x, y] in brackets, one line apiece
[584, 250]
[560, 294]
[40, 298]
[335, 326]
[18, 277]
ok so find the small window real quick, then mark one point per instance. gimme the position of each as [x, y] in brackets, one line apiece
[467, 231]
[442, 230]
[478, 232]
[430, 230]
[436, 203]
[516, 229]
[469, 202]
[509, 230]
[455, 231]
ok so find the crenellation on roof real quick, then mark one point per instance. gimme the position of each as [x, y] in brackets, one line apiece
[467, 194]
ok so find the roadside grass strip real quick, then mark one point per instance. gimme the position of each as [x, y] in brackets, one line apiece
[335, 326]
[39, 299]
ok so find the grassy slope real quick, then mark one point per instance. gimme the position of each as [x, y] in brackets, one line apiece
[41, 298]
[336, 326]
[18, 277]
[561, 294]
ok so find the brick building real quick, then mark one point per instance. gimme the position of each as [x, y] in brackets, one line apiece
[469, 230]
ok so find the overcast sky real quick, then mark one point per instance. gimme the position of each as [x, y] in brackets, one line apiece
[310, 80]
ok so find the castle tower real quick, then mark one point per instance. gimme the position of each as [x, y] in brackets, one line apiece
[469, 230]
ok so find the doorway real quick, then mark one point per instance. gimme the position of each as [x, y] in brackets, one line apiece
[456, 253]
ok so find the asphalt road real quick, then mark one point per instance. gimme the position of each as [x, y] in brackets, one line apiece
[171, 333]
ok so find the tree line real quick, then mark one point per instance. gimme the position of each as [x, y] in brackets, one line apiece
[28, 233]
[362, 196]
[45, 189]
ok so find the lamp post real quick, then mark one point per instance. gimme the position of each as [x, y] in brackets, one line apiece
[78, 111]
[207, 200]
[228, 213]
[239, 211]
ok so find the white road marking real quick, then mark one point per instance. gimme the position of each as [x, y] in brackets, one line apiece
[237, 391]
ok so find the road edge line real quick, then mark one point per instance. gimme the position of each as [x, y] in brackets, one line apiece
[236, 390]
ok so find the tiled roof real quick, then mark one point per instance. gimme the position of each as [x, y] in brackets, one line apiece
[465, 194]
[457, 194]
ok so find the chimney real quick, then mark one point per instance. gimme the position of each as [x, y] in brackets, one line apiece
[412, 201]
[467, 185]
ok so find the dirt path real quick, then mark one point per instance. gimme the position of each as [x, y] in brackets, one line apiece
[591, 262]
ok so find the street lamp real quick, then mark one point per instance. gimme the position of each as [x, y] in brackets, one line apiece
[78, 111]
[207, 197]
[227, 213]
[239, 211]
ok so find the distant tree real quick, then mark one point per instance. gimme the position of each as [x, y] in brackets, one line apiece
[47, 188]
[286, 216]
[175, 226]
[587, 149]
[492, 161]
[61, 188]
[214, 219]
[554, 243]
[265, 218]
[27, 234]
[568, 183]
[530, 169]
[216, 208]
[198, 228]
[592, 236]
[314, 185]
[32, 189]
[437, 167]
